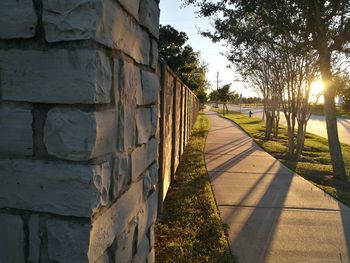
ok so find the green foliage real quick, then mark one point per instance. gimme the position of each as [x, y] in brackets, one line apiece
[314, 164]
[251, 100]
[319, 29]
[224, 95]
[183, 60]
[343, 88]
[191, 228]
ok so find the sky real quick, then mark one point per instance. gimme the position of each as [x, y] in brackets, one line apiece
[185, 19]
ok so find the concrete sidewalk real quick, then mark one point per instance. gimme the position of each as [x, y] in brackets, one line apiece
[274, 215]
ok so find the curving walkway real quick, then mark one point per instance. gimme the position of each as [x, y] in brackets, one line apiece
[274, 215]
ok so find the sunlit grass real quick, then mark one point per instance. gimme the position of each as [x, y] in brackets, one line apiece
[314, 164]
[190, 229]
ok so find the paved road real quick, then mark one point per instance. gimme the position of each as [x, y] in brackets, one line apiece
[316, 124]
[274, 215]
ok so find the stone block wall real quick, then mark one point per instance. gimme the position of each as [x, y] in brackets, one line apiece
[79, 114]
[86, 130]
[179, 108]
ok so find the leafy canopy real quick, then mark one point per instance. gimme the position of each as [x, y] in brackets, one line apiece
[183, 60]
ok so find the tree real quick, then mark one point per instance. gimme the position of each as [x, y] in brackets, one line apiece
[343, 84]
[183, 60]
[224, 96]
[320, 25]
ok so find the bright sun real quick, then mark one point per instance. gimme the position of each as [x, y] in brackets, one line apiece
[317, 88]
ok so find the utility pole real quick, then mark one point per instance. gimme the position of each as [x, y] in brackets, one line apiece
[217, 80]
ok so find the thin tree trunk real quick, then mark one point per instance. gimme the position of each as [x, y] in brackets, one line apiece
[300, 138]
[331, 119]
[276, 126]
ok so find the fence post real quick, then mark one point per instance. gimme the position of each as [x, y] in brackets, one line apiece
[161, 137]
[173, 138]
[181, 120]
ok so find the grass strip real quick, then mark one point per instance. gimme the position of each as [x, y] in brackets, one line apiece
[190, 229]
[314, 164]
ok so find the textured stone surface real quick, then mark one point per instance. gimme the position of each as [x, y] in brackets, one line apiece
[155, 119]
[11, 239]
[76, 135]
[17, 19]
[150, 180]
[34, 239]
[168, 131]
[103, 259]
[149, 16]
[103, 183]
[125, 244]
[16, 136]
[131, 6]
[69, 20]
[151, 256]
[55, 76]
[117, 30]
[122, 174]
[152, 208]
[67, 242]
[142, 157]
[59, 188]
[143, 250]
[154, 55]
[151, 236]
[147, 216]
[129, 86]
[114, 221]
[144, 125]
[150, 88]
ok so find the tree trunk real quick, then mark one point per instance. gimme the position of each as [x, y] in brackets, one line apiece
[291, 143]
[331, 119]
[276, 124]
[300, 138]
[269, 125]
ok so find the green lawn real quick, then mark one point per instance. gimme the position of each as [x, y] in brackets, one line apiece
[314, 164]
[190, 229]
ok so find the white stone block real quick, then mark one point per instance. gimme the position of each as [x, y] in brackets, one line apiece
[69, 20]
[103, 183]
[76, 135]
[121, 173]
[149, 16]
[17, 19]
[129, 86]
[151, 236]
[132, 7]
[150, 88]
[152, 208]
[16, 134]
[34, 239]
[154, 118]
[144, 125]
[55, 76]
[118, 30]
[142, 157]
[53, 187]
[151, 256]
[103, 259]
[142, 251]
[115, 221]
[11, 239]
[125, 244]
[154, 55]
[67, 242]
